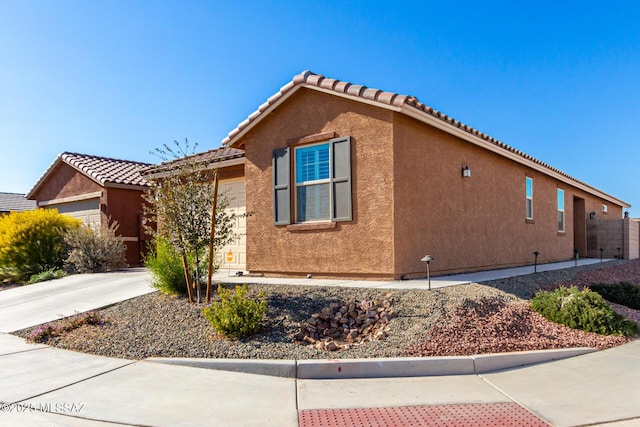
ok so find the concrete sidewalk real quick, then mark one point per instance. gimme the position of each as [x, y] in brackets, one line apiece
[40, 385]
[228, 276]
[43, 302]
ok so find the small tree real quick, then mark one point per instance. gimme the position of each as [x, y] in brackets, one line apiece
[181, 200]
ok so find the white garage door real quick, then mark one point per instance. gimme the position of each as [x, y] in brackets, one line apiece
[88, 211]
[234, 190]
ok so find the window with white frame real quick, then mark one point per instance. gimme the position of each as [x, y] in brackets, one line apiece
[321, 182]
[529, 196]
[560, 210]
[604, 208]
[312, 183]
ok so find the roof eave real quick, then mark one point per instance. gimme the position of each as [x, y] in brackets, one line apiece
[157, 173]
[44, 177]
[518, 158]
[241, 130]
[235, 137]
[140, 187]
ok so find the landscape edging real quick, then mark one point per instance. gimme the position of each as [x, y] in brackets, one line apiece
[379, 367]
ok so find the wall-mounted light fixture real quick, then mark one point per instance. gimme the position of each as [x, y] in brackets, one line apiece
[466, 172]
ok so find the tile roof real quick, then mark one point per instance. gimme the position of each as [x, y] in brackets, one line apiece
[13, 202]
[103, 170]
[207, 157]
[404, 103]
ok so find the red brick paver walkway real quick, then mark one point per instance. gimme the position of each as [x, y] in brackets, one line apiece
[462, 415]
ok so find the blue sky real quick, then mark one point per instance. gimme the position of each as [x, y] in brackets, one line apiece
[557, 80]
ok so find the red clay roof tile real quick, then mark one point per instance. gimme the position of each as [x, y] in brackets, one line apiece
[211, 156]
[103, 170]
[309, 79]
[107, 170]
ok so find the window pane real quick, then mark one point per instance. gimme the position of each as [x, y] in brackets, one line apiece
[529, 188]
[313, 202]
[312, 163]
[529, 208]
[560, 221]
[560, 200]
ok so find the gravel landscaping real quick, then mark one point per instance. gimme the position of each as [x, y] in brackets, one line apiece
[459, 320]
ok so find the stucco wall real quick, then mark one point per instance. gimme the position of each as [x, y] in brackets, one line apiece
[409, 200]
[125, 206]
[477, 222]
[362, 247]
[64, 181]
[122, 205]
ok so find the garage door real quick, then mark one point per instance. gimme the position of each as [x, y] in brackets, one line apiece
[88, 211]
[234, 190]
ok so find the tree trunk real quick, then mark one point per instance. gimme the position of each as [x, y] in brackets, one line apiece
[198, 275]
[187, 276]
[212, 235]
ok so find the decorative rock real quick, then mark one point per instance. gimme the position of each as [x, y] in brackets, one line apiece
[339, 325]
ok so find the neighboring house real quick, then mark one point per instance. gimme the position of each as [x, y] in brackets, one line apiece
[348, 181]
[230, 165]
[14, 202]
[94, 189]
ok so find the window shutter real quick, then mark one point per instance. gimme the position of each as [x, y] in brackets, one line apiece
[281, 183]
[341, 179]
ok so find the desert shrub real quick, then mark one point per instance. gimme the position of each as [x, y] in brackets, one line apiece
[32, 242]
[585, 310]
[165, 264]
[624, 293]
[49, 330]
[236, 315]
[46, 275]
[95, 250]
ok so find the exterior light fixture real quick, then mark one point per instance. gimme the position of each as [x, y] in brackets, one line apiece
[535, 261]
[466, 172]
[428, 259]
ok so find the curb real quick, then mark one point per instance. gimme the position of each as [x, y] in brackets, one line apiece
[379, 367]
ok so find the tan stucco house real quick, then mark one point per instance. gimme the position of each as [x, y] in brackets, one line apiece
[229, 163]
[94, 189]
[343, 180]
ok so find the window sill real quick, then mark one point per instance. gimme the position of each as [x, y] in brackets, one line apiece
[562, 233]
[529, 221]
[312, 226]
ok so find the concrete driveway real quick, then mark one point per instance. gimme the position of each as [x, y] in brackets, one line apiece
[43, 302]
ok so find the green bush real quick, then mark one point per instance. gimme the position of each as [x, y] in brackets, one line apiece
[236, 315]
[165, 264]
[624, 293]
[95, 250]
[46, 275]
[585, 310]
[32, 242]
